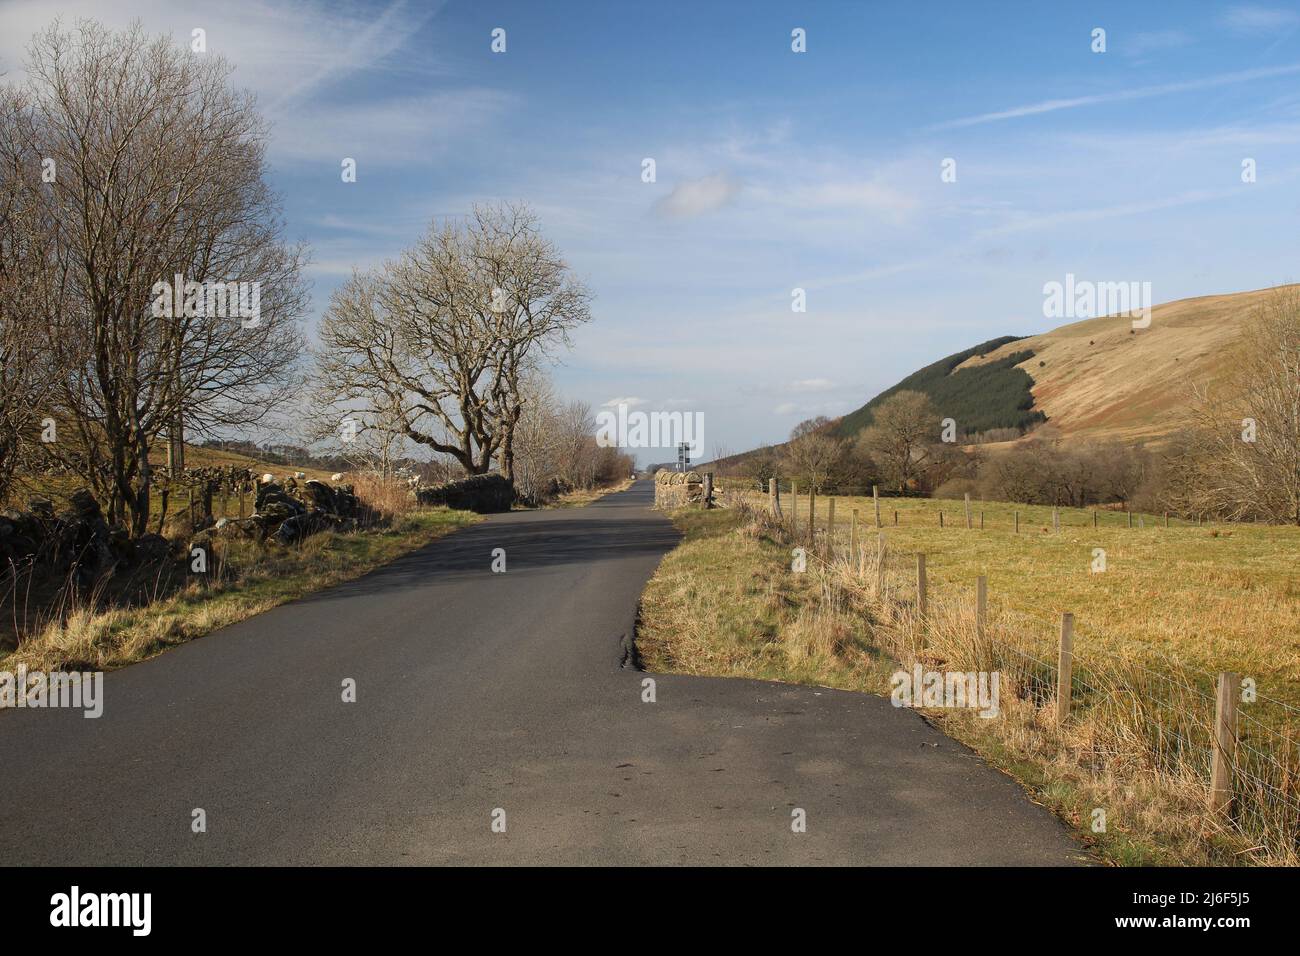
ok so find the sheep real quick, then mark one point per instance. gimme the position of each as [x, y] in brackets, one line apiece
[336, 477]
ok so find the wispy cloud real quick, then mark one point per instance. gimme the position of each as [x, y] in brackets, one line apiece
[1254, 19]
[365, 45]
[1142, 44]
[1140, 93]
[811, 385]
[399, 130]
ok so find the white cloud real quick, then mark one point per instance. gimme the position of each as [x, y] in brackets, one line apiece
[811, 385]
[630, 402]
[695, 197]
[868, 195]
[1140, 44]
[301, 58]
[386, 133]
[1251, 18]
[810, 410]
[282, 51]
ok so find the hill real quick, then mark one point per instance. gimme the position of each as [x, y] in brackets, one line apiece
[1092, 380]
[1101, 379]
[977, 390]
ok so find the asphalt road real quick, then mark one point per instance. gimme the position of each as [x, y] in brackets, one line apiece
[478, 692]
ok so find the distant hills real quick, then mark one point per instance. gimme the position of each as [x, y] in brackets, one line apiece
[1092, 380]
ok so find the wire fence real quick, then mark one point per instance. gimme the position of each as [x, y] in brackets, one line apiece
[1226, 752]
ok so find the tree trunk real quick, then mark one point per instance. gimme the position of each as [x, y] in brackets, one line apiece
[140, 508]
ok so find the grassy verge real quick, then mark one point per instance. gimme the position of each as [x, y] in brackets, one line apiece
[245, 579]
[578, 499]
[726, 602]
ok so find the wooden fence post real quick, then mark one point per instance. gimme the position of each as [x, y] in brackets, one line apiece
[1225, 742]
[1017, 522]
[895, 517]
[880, 564]
[1094, 517]
[981, 519]
[921, 603]
[1064, 668]
[812, 517]
[1130, 519]
[708, 490]
[794, 509]
[981, 604]
[1166, 519]
[940, 519]
[853, 540]
[968, 511]
[1056, 518]
[875, 497]
[830, 528]
[773, 503]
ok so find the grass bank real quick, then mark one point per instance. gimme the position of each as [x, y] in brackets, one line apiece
[1151, 628]
[244, 579]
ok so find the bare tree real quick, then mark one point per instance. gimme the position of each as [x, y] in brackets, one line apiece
[158, 172]
[443, 338]
[578, 459]
[1017, 474]
[29, 285]
[760, 466]
[901, 439]
[813, 454]
[539, 441]
[1240, 455]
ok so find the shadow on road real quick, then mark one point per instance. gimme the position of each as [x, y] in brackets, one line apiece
[533, 541]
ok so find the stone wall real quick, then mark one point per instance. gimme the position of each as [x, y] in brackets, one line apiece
[484, 494]
[673, 489]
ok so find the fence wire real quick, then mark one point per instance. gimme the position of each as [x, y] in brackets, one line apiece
[1164, 718]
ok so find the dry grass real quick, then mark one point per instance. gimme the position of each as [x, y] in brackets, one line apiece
[389, 497]
[1137, 743]
[243, 579]
[577, 499]
[1216, 597]
[1099, 382]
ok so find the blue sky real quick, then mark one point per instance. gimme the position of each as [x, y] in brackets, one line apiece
[777, 170]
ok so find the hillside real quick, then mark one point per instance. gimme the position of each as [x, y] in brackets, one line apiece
[1094, 380]
[976, 389]
[1100, 379]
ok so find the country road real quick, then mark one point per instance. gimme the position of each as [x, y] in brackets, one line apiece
[476, 691]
